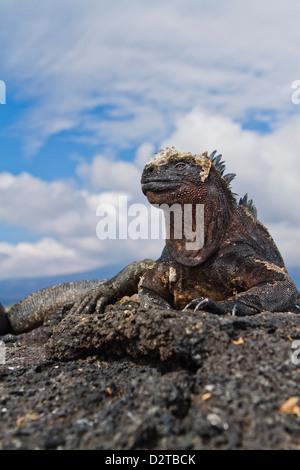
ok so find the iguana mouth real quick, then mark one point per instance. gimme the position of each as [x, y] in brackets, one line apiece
[160, 186]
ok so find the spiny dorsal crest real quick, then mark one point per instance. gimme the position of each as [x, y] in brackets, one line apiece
[220, 165]
[204, 160]
[248, 204]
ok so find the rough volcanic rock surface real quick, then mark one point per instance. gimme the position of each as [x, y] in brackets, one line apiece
[157, 379]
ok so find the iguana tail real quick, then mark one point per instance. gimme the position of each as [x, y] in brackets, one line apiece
[30, 312]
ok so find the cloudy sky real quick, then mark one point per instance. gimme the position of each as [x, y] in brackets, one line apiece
[94, 88]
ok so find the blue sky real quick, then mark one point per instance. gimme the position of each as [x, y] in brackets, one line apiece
[94, 88]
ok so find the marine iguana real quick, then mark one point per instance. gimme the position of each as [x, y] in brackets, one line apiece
[238, 270]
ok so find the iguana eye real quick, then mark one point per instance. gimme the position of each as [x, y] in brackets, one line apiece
[150, 169]
[180, 166]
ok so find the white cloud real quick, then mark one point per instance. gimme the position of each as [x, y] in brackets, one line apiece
[65, 218]
[143, 154]
[48, 257]
[107, 174]
[145, 62]
[31, 202]
[45, 257]
[267, 167]
[141, 74]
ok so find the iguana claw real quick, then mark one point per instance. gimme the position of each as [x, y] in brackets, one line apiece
[234, 309]
[90, 303]
[206, 304]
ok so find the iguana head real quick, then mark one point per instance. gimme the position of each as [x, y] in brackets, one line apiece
[173, 177]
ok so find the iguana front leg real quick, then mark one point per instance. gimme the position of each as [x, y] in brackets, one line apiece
[149, 299]
[235, 307]
[154, 287]
[269, 288]
[124, 283]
